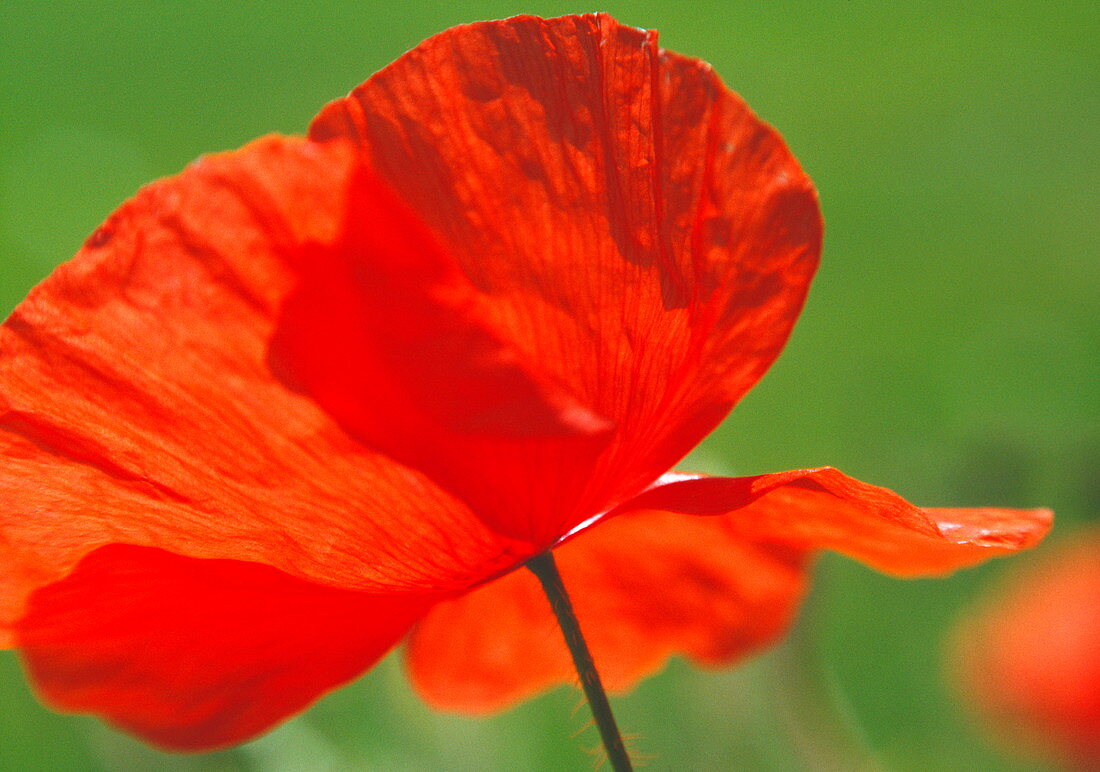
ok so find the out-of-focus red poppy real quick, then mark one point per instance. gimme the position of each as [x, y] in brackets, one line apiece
[1027, 658]
[316, 396]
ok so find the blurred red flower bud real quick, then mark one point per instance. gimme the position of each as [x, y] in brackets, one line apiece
[1026, 657]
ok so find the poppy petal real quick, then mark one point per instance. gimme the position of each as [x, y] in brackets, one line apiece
[197, 654]
[814, 509]
[634, 228]
[137, 403]
[644, 586]
[648, 582]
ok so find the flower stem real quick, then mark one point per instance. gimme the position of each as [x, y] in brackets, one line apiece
[544, 567]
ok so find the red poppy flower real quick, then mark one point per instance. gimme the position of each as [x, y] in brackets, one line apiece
[1027, 658]
[315, 396]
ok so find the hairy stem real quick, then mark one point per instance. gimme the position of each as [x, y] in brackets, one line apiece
[544, 567]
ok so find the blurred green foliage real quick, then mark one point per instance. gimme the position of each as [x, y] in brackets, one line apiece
[949, 348]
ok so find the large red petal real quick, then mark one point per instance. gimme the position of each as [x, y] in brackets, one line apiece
[644, 586]
[814, 509]
[635, 229]
[195, 654]
[648, 581]
[137, 404]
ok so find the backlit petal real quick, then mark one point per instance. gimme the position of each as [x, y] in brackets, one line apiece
[137, 404]
[814, 509]
[649, 581]
[634, 228]
[196, 654]
[644, 586]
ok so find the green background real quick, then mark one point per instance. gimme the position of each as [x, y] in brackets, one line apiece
[948, 349]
